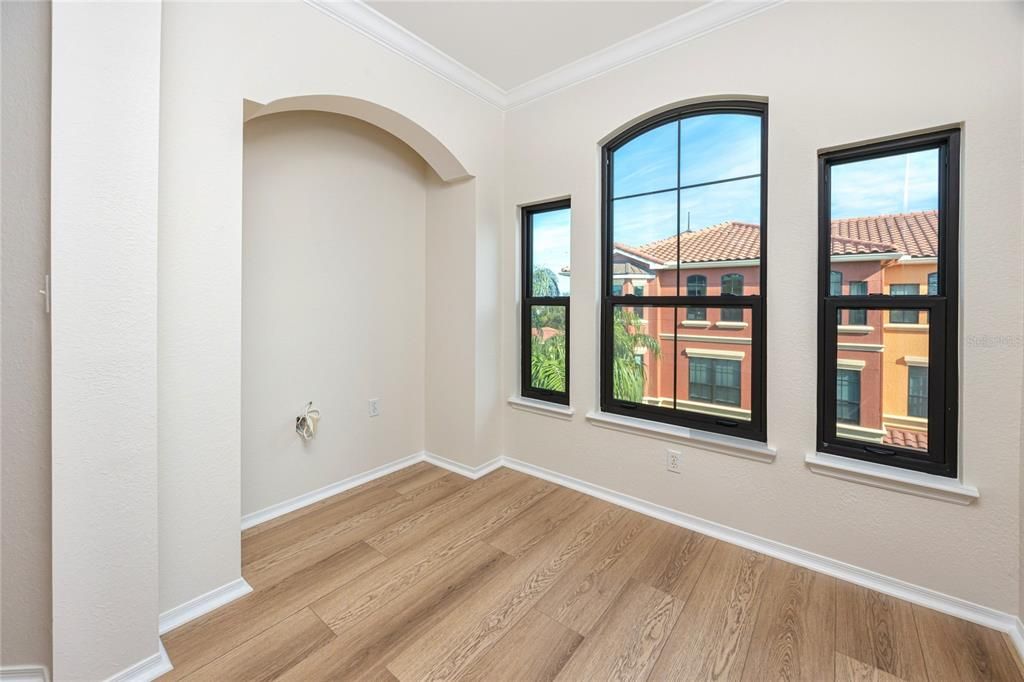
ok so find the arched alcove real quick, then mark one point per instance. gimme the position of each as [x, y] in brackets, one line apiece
[434, 152]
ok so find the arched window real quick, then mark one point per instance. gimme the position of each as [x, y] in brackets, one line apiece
[732, 285]
[685, 191]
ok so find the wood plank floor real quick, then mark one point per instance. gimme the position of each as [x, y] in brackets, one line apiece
[426, 575]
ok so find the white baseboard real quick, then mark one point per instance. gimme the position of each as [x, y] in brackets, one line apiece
[281, 508]
[460, 468]
[24, 673]
[203, 604]
[915, 594]
[147, 669]
[922, 596]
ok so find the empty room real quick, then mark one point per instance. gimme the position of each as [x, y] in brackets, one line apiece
[512, 340]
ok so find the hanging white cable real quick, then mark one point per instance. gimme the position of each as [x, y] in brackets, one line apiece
[305, 425]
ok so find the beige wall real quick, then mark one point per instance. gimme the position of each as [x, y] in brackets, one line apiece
[834, 73]
[25, 358]
[215, 56]
[333, 281]
[105, 132]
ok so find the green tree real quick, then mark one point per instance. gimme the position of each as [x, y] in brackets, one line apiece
[628, 375]
[547, 357]
[547, 362]
[545, 282]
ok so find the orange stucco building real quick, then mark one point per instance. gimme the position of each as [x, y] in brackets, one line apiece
[705, 362]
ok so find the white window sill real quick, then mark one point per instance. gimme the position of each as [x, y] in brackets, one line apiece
[541, 407]
[705, 440]
[892, 478]
[727, 324]
[696, 324]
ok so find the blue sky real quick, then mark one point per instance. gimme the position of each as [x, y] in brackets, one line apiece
[714, 147]
[551, 243]
[721, 146]
[892, 184]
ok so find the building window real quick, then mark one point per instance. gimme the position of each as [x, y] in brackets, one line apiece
[848, 396]
[715, 381]
[545, 295]
[917, 391]
[685, 191]
[889, 213]
[638, 291]
[904, 316]
[835, 283]
[732, 285]
[696, 285]
[858, 316]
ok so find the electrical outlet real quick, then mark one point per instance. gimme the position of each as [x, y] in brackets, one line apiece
[374, 407]
[672, 460]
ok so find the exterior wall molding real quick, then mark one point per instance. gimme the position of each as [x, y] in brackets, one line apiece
[855, 365]
[715, 354]
[863, 433]
[863, 347]
[737, 340]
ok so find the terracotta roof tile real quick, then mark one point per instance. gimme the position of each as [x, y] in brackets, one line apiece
[913, 234]
[915, 440]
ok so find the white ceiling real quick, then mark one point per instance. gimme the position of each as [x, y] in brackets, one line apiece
[510, 43]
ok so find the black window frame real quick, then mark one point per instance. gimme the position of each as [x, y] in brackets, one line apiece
[756, 428]
[941, 311]
[527, 390]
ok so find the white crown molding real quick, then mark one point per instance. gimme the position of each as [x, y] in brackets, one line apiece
[203, 604]
[707, 18]
[360, 17]
[693, 24]
[24, 673]
[146, 670]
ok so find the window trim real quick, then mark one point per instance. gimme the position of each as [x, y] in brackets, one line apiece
[756, 428]
[942, 311]
[526, 388]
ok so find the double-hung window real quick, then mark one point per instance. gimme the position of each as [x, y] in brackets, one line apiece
[545, 309]
[684, 208]
[888, 213]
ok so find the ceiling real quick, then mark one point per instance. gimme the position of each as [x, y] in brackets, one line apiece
[511, 43]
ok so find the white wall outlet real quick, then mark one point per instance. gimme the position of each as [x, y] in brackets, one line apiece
[374, 407]
[672, 460]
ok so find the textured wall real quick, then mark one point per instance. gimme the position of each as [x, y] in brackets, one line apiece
[105, 137]
[333, 280]
[834, 73]
[25, 362]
